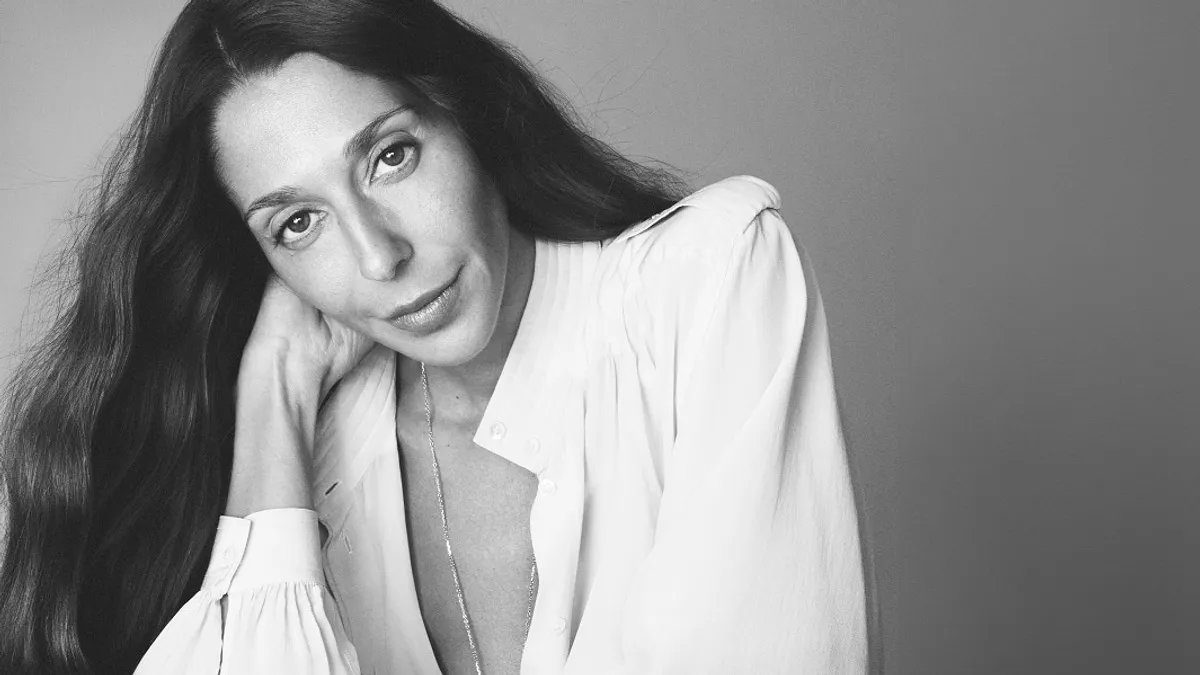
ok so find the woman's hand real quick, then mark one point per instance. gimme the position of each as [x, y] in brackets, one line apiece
[292, 333]
[293, 358]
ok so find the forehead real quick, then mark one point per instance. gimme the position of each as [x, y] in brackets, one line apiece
[276, 128]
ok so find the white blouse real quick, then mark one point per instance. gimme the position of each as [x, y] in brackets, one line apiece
[672, 389]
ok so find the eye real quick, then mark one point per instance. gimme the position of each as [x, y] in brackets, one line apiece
[297, 226]
[394, 160]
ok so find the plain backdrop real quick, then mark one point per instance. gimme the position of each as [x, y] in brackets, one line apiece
[998, 201]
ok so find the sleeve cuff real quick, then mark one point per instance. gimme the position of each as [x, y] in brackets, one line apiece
[268, 547]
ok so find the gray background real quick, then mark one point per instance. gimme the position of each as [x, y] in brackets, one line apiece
[996, 196]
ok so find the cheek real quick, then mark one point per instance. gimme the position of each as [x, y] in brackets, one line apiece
[463, 191]
[320, 281]
[485, 220]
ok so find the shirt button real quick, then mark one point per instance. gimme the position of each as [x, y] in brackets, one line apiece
[533, 445]
[547, 487]
[498, 430]
[560, 625]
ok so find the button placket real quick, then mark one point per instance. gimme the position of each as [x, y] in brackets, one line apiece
[498, 431]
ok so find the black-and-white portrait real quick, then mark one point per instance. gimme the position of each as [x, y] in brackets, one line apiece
[416, 337]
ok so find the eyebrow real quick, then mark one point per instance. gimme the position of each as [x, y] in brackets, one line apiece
[274, 198]
[361, 142]
[358, 144]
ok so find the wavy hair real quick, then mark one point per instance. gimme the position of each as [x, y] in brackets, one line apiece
[118, 435]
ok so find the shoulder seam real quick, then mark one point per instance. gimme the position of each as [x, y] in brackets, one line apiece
[739, 197]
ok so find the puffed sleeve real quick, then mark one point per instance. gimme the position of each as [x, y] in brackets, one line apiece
[755, 565]
[263, 606]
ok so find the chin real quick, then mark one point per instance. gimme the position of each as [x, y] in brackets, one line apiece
[451, 351]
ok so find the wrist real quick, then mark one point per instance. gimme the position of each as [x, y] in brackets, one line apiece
[277, 373]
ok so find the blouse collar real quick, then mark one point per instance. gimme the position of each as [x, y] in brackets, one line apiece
[545, 357]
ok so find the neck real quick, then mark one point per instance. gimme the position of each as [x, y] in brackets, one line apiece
[460, 393]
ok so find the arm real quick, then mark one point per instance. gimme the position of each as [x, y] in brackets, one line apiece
[755, 566]
[263, 606]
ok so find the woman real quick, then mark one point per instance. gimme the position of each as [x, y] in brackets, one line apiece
[378, 364]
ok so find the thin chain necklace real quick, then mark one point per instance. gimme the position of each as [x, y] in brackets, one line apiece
[458, 592]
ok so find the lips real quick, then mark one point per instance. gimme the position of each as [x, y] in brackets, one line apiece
[420, 301]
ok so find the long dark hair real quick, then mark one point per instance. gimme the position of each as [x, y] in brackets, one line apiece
[118, 437]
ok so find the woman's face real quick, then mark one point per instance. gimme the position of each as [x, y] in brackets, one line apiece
[367, 201]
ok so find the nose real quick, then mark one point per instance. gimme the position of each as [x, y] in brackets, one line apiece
[375, 238]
